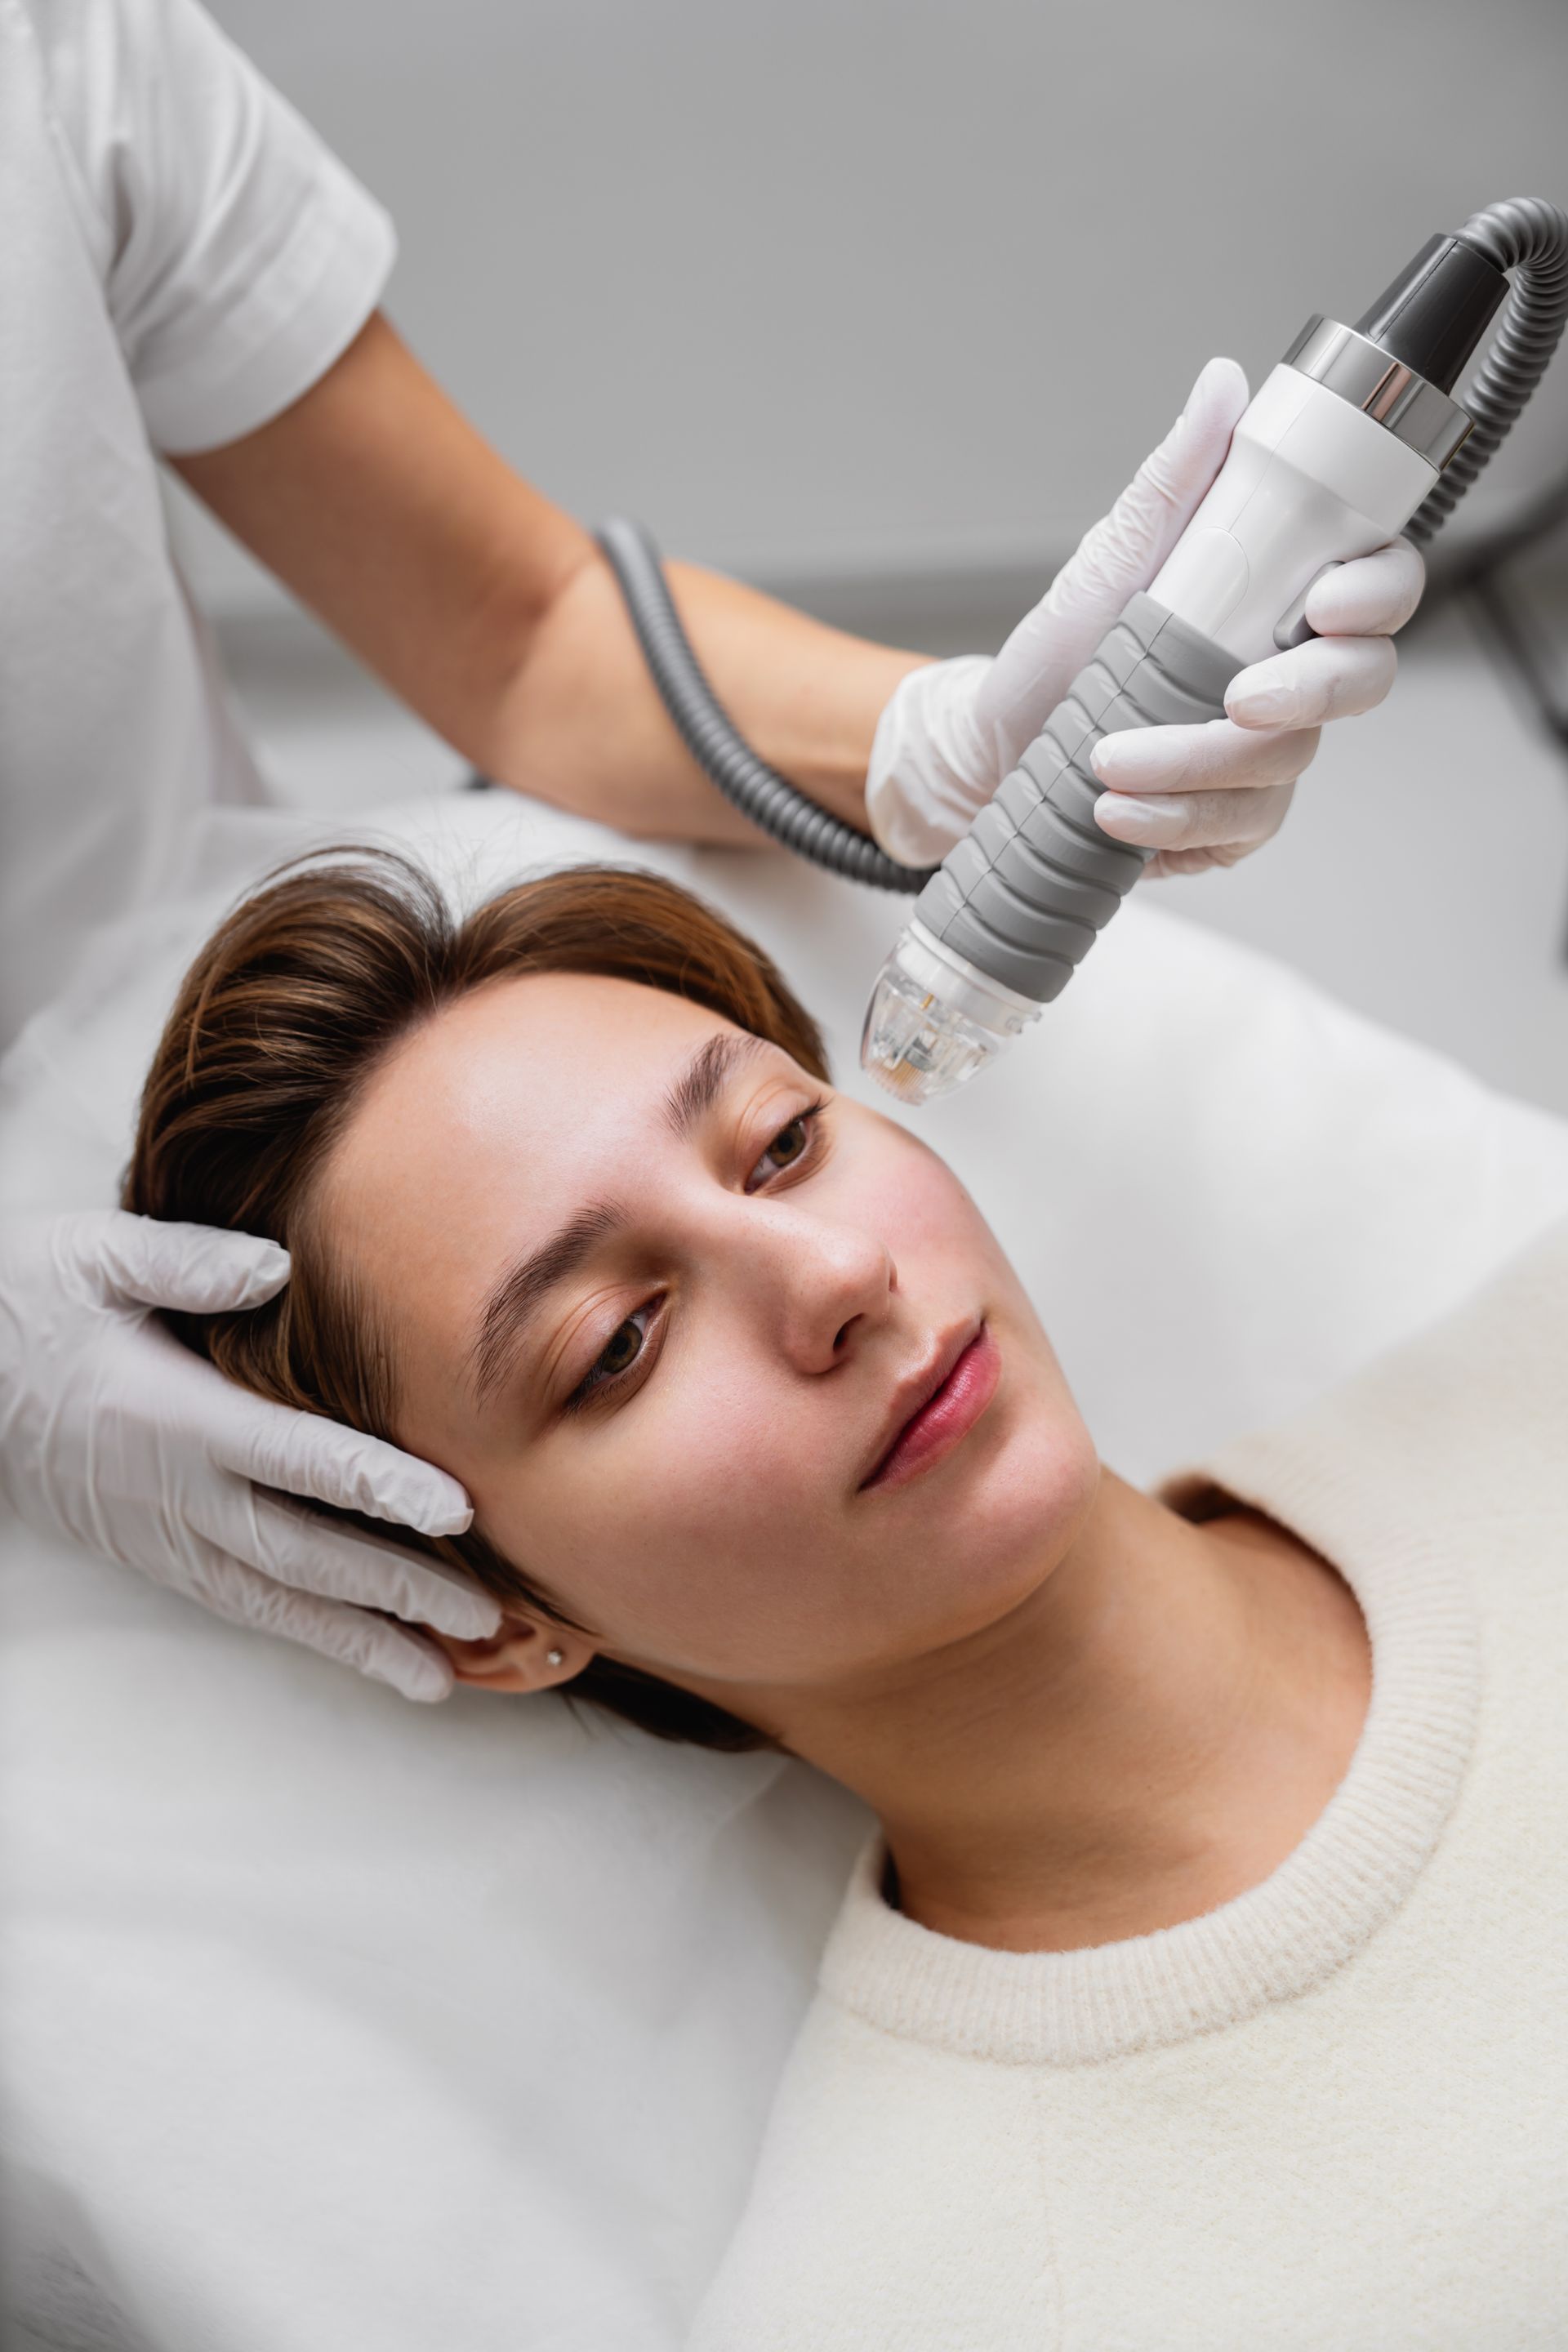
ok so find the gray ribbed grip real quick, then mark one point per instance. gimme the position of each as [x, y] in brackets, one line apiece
[1032, 882]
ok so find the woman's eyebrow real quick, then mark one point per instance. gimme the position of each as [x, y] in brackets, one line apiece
[520, 1294]
[706, 1076]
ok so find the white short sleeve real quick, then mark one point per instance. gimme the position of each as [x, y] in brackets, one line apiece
[239, 257]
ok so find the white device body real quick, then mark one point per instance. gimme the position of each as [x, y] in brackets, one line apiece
[1310, 481]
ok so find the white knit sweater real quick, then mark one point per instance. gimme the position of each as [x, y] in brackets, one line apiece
[1331, 2114]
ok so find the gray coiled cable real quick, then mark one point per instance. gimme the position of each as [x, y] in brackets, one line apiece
[759, 792]
[1522, 234]
[1529, 237]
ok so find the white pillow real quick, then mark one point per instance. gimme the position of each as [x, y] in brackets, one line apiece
[332, 2021]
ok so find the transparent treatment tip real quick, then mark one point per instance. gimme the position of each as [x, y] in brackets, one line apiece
[934, 1019]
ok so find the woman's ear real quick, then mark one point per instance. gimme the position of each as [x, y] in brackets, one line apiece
[523, 1656]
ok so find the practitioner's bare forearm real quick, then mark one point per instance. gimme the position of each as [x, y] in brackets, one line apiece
[491, 611]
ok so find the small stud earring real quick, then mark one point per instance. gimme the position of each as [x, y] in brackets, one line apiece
[556, 1657]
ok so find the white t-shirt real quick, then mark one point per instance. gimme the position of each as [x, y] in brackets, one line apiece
[180, 259]
[1329, 2113]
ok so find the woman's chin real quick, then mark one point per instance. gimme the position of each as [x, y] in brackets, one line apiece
[989, 1533]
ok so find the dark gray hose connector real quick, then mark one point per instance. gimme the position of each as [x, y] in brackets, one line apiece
[759, 792]
[1528, 237]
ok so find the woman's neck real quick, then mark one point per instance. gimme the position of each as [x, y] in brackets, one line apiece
[1148, 1735]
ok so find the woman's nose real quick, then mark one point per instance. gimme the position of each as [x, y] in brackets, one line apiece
[830, 1286]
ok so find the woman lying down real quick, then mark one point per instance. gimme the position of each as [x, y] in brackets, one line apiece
[1204, 1987]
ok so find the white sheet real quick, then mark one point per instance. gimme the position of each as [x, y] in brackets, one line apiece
[332, 2022]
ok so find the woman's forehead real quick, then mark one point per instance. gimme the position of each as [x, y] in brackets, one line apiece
[507, 1107]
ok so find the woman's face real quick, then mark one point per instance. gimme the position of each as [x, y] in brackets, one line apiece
[663, 1303]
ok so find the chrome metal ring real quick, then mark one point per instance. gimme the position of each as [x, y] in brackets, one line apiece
[1383, 388]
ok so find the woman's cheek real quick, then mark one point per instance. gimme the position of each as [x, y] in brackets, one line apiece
[716, 1459]
[926, 1217]
[685, 1490]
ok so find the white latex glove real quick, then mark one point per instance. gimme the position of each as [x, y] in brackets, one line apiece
[113, 1433]
[952, 730]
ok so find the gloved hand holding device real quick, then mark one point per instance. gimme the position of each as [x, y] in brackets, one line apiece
[953, 729]
[114, 1436]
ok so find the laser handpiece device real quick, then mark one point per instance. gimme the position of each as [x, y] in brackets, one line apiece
[1350, 438]
[1354, 437]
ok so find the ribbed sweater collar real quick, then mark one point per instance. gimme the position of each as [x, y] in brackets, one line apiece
[1326, 1901]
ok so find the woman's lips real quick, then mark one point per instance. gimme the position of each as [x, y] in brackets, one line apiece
[946, 1418]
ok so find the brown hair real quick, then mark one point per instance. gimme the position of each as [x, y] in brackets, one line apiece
[280, 1020]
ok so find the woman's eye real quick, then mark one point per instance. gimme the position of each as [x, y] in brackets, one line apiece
[789, 1146]
[623, 1350]
[616, 1358]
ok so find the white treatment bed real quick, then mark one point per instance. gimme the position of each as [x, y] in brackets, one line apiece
[330, 2023]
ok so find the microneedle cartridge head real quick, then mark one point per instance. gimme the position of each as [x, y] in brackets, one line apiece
[935, 1020]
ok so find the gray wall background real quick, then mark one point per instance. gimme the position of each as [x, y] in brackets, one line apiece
[838, 291]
